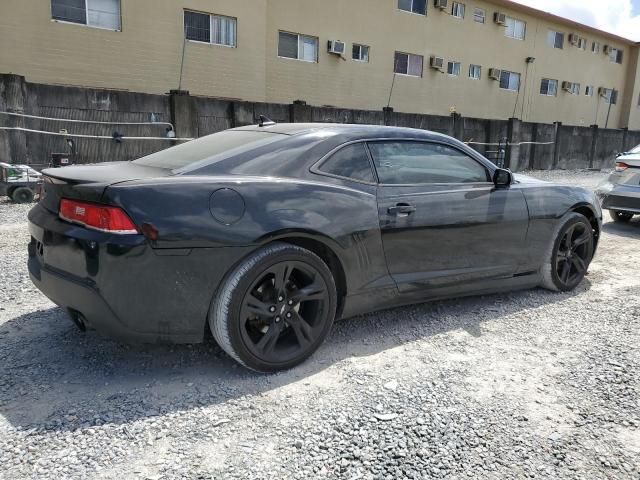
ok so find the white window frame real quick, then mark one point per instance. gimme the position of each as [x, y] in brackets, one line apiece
[211, 17]
[582, 43]
[473, 69]
[515, 22]
[301, 38]
[613, 55]
[595, 47]
[361, 47]
[410, 55]
[426, 8]
[454, 68]
[589, 90]
[555, 37]
[550, 81]
[86, 15]
[508, 89]
[458, 10]
[480, 15]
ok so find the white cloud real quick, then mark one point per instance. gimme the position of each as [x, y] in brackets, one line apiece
[613, 16]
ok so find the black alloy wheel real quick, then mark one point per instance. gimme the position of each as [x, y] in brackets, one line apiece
[282, 312]
[275, 309]
[573, 255]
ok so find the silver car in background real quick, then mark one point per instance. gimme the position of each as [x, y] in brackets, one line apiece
[620, 193]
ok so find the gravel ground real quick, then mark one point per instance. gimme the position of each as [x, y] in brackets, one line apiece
[521, 385]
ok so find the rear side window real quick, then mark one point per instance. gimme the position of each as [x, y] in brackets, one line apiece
[351, 162]
[411, 163]
[210, 149]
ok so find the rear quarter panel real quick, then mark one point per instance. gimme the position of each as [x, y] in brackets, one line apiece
[343, 218]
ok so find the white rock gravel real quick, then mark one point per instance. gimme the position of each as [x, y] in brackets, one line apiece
[520, 385]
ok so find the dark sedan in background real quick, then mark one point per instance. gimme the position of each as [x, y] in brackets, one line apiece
[620, 194]
[266, 234]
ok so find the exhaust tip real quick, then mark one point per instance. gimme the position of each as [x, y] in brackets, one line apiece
[79, 320]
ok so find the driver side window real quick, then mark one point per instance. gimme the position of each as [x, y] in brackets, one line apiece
[411, 163]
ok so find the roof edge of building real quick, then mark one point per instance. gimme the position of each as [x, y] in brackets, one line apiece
[556, 18]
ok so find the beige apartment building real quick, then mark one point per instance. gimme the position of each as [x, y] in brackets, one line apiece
[481, 58]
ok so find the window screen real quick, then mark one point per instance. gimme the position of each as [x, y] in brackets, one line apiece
[509, 80]
[299, 47]
[410, 163]
[197, 26]
[414, 6]
[69, 11]
[351, 161]
[223, 30]
[408, 64]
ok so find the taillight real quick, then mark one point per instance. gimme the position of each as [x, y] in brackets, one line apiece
[97, 217]
[621, 166]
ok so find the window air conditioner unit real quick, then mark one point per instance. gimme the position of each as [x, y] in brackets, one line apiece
[437, 63]
[500, 18]
[573, 39]
[495, 73]
[441, 4]
[337, 47]
[567, 86]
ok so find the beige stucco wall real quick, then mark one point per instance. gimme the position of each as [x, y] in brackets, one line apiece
[146, 55]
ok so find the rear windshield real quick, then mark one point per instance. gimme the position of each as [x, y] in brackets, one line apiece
[209, 149]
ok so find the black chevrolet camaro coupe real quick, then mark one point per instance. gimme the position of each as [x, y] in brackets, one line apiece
[266, 234]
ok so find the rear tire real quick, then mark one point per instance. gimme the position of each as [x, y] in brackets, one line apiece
[275, 309]
[620, 217]
[569, 255]
[22, 195]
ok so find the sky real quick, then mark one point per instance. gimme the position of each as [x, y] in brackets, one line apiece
[621, 17]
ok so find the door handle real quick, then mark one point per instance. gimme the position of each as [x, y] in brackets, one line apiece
[402, 210]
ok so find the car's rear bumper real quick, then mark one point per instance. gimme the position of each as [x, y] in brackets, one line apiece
[120, 285]
[619, 197]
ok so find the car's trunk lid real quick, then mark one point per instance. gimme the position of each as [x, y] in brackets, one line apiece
[88, 182]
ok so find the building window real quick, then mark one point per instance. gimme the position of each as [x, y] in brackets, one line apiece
[479, 15]
[457, 10]
[94, 13]
[413, 6]
[589, 91]
[298, 47]
[610, 96]
[214, 29]
[549, 87]
[360, 53]
[575, 89]
[595, 47]
[582, 43]
[555, 39]
[615, 55]
[408, 64]
[509, 81]
[453, 68]
[515, 28]
[475, 72]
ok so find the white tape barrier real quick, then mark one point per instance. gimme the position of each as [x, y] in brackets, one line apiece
[91, 122]
[98, 137]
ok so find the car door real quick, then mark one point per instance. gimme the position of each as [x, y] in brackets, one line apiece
[443, 221]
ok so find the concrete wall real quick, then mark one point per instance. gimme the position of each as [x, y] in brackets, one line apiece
[149, 53]
[524, 145]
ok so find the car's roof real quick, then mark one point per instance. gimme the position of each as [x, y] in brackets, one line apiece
[355, 130]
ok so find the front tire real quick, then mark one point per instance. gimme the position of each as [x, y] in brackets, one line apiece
[22, 195]
[569, 256]
[620, 217]
[274, 310]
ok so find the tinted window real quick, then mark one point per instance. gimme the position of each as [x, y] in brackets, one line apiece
[351, 161]
[405, 163]
[209, 149]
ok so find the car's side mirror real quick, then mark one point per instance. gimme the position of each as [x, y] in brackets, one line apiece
[502, 178]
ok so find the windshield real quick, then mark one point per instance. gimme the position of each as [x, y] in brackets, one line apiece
[207, 150]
